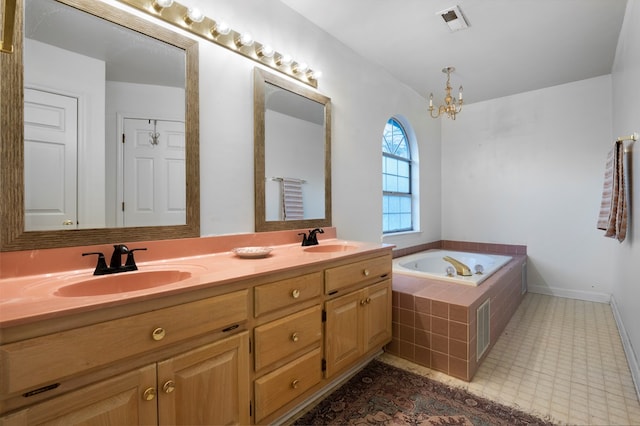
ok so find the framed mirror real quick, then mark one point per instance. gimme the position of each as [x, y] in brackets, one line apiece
[100, 129]
[292, 154]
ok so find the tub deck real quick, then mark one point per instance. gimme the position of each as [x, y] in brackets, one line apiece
[434, 322]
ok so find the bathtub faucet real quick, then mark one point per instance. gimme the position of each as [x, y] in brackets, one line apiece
[461, 268]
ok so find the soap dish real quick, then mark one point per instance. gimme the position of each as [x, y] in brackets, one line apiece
[252, 252]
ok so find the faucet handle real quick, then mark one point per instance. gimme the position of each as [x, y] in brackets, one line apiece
[131, 263]
[101, 266]
[304, 238]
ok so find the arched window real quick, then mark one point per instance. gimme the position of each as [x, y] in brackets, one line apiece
[396, 179]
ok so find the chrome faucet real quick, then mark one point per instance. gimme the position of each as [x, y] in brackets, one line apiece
[115, 265]
[461, 268]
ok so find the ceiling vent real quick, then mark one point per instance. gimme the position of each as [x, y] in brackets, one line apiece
[454, 18]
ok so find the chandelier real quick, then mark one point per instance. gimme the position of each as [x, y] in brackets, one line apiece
[450, 107]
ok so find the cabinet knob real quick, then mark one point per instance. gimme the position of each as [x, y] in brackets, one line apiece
[295, 383]
[368, 300]
[295, 337]
[158, 333]
[365, 272]
[363, 302]
[295, 293]
[149, 394]
[169, 386]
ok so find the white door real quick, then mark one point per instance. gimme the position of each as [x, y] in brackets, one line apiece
[50, 160]
[154, 183]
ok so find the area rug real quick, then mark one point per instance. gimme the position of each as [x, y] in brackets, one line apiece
[381, 394]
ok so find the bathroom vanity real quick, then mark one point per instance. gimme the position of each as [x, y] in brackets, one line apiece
[243, 341]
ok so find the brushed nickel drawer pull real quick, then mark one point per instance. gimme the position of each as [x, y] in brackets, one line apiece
[149, 394]
[158, 333]
[295, 383]
[295, 337]
[169, 386]
[295, 293]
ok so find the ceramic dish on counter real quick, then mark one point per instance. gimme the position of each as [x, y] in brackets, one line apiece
[252, 252]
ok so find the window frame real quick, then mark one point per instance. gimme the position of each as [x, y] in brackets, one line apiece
[409, 194]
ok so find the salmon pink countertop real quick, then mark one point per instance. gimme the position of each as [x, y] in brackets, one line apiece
[47, 292]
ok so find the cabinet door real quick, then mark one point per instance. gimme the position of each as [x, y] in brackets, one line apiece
[206, 386]
[343, 332]
[118, 401]
[377, 321]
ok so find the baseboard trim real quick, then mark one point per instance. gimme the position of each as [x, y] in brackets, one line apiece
[632, 360]
[589, 296]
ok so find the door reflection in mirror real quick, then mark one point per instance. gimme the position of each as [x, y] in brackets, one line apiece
[111, 72]
[153, 179]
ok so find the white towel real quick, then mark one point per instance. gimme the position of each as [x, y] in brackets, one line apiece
[292, 205]
[613, 208]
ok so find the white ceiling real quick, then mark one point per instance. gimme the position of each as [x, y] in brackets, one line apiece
[511, 46]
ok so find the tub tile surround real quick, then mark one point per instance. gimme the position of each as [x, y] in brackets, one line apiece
[434, 322]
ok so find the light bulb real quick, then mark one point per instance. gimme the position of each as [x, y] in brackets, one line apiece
[265, 51]
[283, 59]
[314, 74]
[193, 15]
[244, 39]
[299, 67]
[158, 5]
[220, 28]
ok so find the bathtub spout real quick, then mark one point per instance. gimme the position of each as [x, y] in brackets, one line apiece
[461, 268]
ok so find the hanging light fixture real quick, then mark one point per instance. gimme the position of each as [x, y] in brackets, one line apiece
[450, 107]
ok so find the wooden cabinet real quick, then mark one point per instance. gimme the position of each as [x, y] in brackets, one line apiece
[288, 355]
[205, 386]
[204, 359]
[355, 324]
[83, 371]
[41, 361]
[116, 401]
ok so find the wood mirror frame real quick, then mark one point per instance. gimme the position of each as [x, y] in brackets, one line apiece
[261, 79]
[13, 236]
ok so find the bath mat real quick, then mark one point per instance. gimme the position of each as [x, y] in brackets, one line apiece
[381, 394]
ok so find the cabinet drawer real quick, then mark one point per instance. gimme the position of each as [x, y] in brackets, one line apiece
[355, 273]
[43, 360]
[280, 294]
[277, 388]
[287, 335]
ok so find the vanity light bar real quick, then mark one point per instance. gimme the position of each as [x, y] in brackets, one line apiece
[218, 32]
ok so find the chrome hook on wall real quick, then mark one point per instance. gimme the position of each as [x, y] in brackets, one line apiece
[155, 135]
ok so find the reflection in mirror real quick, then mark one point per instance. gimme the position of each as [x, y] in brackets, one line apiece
[72, 176]
[292, 155]
[79, 69]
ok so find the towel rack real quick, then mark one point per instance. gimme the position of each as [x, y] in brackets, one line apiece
[632, 137]
[279, 179]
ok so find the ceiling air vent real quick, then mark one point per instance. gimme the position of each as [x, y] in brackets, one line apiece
[454, 18]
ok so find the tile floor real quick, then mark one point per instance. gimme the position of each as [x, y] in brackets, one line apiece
[560, 359]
